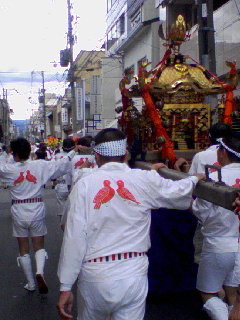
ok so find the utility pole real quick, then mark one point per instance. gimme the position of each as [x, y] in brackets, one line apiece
[206, 42]
[206, 35]
[44, 106]
[71, 71]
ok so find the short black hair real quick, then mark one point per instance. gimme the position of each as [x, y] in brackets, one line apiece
[219, 130]
[43, 147]
[85, 141]
[110, 134]
[40, 154]
[21, 147]
[232, 143]
[68, 144]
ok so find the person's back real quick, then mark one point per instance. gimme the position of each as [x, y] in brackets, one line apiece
[81, 158]
[219, 225]
[25, 179]
[200, 160]
[209, 156]
[107, 232]
[220, 229]
[63, 183]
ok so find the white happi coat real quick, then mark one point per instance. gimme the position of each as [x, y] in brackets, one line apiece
[77, 161]
[206, 157]
[66, 179]
[220, 227]
[26, 180]
[110, 213]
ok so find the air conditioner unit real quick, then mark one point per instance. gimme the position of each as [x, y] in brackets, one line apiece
[70, 121]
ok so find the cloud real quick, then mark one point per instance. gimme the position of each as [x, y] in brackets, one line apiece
[30, 77]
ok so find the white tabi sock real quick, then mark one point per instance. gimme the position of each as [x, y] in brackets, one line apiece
[40, 256]
[25, 263]
[216, 309]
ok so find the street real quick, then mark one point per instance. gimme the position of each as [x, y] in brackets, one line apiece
[18, 304]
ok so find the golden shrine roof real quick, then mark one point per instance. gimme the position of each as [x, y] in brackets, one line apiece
[184, 78]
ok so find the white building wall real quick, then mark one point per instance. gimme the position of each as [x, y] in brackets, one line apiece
[95, 95]
[227, 35]
[111, 76]
[140, 48]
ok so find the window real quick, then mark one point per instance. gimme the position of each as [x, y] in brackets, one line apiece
[110, 3]
[114, 32]
[130, 72]
[121, 25]
[111, 37]
[135, 18]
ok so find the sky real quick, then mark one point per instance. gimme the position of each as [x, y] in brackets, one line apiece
[32, 33]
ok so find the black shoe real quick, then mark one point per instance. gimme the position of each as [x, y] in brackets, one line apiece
[42, 286]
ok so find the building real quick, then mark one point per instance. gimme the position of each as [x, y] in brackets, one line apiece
[88, 87]
[6, 128]
[133, 37]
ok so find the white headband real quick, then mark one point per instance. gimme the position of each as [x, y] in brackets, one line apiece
[115, 148]
[237, 154]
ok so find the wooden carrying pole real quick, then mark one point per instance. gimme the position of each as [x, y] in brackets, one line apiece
[216, 192]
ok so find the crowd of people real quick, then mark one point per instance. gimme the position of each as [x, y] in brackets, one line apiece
[105, 211]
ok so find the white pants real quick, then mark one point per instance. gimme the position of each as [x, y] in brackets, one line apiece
[61, 200]
[216, 270]
[123, 299]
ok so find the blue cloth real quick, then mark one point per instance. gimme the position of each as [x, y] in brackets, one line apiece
[171, 256]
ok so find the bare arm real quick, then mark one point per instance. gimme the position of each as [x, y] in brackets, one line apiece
[235, 312]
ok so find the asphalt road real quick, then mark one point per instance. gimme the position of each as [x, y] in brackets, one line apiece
[18, 304]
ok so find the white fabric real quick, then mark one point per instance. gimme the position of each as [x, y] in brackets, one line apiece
[237, 154]
[35, 228]
[77, 161]
[118, 225]
[111, 148]
[40, 257]
[25, 262]
[101, 271]
[216, 309]
[61, 201]
[65, 180]
[216, 270]
[26, 180]
[220, 226]
[81, 173]
[124, 299]
[206, 157]
[236, 271]
[3, 157]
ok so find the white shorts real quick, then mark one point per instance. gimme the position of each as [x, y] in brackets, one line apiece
[237, 266]
[35, 228]
[216, 270]
[123, 299]
[61, 200]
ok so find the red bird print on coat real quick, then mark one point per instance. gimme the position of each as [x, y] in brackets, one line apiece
[125, 193]
[79, 163]
[237, 184]
[104, 195]
[215, 164]
[19, 179]
[30, 177]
